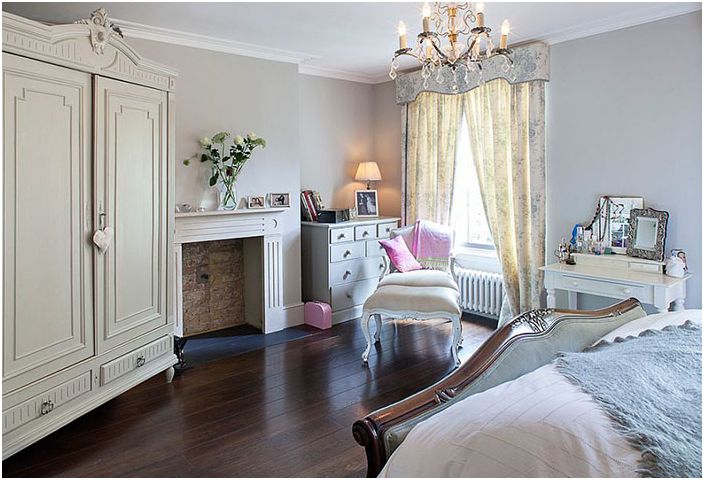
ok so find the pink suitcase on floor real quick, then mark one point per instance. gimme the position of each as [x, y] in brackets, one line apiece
[318, 315]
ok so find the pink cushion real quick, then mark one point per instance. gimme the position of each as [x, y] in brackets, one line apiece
[400, 255]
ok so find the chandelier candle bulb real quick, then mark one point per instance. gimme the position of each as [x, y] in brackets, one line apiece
[402, 42]
[480, 14]
[505, 27]
[426, 17]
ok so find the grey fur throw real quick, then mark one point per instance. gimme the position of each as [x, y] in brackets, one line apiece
[651, 386]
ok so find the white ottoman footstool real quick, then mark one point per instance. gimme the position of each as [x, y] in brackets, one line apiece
[409, 296]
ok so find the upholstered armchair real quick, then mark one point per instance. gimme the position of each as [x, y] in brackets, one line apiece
[428, 293]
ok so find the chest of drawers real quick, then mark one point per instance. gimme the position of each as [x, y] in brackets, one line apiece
[342, 262]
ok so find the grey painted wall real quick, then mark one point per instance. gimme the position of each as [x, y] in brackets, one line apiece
[344, 123]
[217, 91]
[624, 117]
[387, 147]
[337, 133]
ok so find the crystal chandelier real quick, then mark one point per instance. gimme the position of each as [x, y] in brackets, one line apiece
[461, 57]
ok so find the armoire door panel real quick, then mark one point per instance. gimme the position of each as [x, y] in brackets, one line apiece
[131, 157]
[48, 294]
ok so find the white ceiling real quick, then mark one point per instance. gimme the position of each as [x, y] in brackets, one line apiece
[342, 40]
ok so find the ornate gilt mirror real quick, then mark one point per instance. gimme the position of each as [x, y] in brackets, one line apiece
[647, 232]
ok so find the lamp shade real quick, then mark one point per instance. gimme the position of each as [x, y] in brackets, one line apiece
[368, 171]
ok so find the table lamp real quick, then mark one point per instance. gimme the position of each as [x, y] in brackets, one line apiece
[368, 172]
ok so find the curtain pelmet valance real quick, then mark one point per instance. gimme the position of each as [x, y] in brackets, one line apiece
[531, 62]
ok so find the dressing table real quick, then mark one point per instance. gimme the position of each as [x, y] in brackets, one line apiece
[626, 227]
[619, 277]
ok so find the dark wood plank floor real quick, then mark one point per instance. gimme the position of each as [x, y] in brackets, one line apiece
[284, 410]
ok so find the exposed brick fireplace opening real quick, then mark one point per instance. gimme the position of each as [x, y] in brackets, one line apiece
[213, 286]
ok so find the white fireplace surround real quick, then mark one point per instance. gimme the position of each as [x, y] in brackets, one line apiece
[263, 259]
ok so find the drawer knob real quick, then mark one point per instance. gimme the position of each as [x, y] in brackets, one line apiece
[346, 274]
[365, 233]
[348, 295]
[574, 284]
[140, 361]
[47, 406]
[341, 236]
[347, 253]
[381, 265]
[626, 291]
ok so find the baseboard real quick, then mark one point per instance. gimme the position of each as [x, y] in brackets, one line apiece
[346, 315]
[293, 315]
[490, 321]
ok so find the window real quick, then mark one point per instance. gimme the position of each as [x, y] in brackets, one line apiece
[468, 217]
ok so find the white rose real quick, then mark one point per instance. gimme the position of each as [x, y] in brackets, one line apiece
[205, 142]
[252, 136]
[238, 140]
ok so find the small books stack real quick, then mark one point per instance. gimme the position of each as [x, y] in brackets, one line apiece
[311, 204]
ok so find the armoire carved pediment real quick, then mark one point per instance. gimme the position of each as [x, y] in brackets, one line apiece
[92, 45]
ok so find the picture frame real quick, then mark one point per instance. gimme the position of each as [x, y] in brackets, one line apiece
[366, 202]
[611, 222]
[279, 200]
[256, 201]
[618, 221]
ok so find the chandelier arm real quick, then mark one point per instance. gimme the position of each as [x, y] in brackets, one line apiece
[408, 52]
[467, 19]
[503, 52]
[439, 51]
[471, 41]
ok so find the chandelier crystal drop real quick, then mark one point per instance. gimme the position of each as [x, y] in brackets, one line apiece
[468, 46]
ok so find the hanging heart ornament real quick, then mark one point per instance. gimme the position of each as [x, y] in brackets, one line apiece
[103, 238]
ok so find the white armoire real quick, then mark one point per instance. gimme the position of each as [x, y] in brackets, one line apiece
[88, 222]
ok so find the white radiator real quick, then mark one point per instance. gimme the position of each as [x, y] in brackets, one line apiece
[480, 292]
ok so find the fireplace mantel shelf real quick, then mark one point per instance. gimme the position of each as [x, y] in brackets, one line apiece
[263, 251]
[242, 211]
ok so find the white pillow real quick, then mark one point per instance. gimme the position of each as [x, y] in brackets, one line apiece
[656, 321]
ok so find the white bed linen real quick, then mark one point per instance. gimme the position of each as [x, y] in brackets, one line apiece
[656, 321]
[539, 425]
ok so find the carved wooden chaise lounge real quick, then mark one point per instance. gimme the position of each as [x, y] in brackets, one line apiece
[526, 343]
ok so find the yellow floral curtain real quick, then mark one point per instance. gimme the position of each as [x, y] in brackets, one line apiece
[431, 147]
[507, 130]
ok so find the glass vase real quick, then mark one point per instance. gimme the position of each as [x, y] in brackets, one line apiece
[227, 195]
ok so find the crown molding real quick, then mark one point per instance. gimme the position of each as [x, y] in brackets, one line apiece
[653, 14]
[307, 69]
[194, 40]
[206, 42]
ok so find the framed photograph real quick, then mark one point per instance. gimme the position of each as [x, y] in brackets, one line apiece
[366, 203]
[255, 202]
[615, 214]
[280, 199]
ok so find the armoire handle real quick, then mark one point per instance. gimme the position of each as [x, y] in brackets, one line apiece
[47, 406]
[103, 238]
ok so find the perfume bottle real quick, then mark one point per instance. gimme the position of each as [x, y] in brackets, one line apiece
[579, 240]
